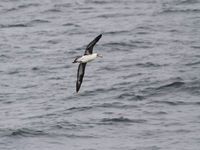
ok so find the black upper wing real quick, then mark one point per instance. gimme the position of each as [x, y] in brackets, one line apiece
[90, 46]
[80, 75]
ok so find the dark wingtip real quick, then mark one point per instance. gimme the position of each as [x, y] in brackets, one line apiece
[77, 87]
[100, 35]
[77, 90]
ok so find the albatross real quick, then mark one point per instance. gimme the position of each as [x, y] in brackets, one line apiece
[87, 57]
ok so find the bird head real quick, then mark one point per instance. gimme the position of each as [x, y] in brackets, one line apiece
[98, 55]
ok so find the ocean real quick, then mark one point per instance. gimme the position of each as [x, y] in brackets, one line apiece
[144, 94]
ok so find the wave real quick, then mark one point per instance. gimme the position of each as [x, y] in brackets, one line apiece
[181, 11]
[109, 68]
[25, 132]
[195, 47]
[189, 1]
[149, 64]
[54, 10]
[130, 76]
[193, 63]
[153, 89]
[35, 68]
[79, 108]
[122, 120]
[97, 2]
[175, 84]
[173, 103]
[3, 56]
[167, 88]
[117, 105]
[71, 24]
[23, 6]
[190, 87]
[98, 90]
[22, 25]
[193, 87]
[176, 103]
[28, 5]
[13, 72]
[64, 5]
[39, 21]
[14, 25]
[130, 96]
[116, 32]
[53, 41]
[120, 45]
[130, 44]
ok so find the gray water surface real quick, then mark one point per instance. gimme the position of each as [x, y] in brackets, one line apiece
[143, 95]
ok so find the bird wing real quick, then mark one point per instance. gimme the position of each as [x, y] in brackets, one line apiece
[80, 75]
[90, 46]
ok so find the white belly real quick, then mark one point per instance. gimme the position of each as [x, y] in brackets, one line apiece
[87, 58]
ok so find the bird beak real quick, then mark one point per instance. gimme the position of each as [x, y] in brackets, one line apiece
[99, 56]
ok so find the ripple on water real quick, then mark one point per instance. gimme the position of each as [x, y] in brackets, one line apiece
[122, 120]
[171, 10]
[24, 132]
[148, 64]
[19, 25]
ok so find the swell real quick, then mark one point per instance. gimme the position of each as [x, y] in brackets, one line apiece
[18, 25]
[149, 64]
[71, 24]
[114, 15]
[122, 120]
[23, 6]
[175, 86]
[171, 10]
[151, 89]
[23, 132]
[129, 44]
[53, 10]
[52, 132]
[39, 21]
[116, 32]
[193, 63]
[131, 96]
[114, 105]
[99, 91]
[23, 25]
[28, 5]
[188, 2]
[190, 87]
[193, 87]
[175, 103]
[77, 109]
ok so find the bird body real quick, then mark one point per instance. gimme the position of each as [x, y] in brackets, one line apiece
[87, 57]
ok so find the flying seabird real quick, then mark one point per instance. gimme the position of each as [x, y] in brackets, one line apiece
[88, 56]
